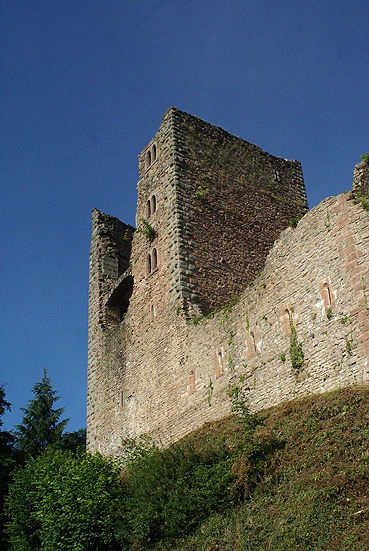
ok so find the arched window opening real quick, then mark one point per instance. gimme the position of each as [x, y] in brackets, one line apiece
[191, 382]
[287, 321]
[147, 159]
[153, 204]
[153, 153]
[219, 364]
[117, 305]
[328, 296]
[148, 209]
[148, 264]
[251, 349]
[253, 344]
[154, 261]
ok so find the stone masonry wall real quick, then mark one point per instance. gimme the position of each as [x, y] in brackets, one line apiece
[315, 277]
[361, 178]
[109, 260]
[237, 200]
[156, 365]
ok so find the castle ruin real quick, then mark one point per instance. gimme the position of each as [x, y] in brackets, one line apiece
[214, 284]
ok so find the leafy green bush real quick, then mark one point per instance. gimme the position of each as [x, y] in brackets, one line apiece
[167, 492]
[59, 501]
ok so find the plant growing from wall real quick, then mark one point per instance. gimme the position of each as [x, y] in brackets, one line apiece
[363, 198]
[365, 158]
[230, 337]
[296, 352]
[364, 289]
[329, 314]
[230, 361]
[294, 221]
[238, 393]
[201, 193]
[349, 343]
[147, 230]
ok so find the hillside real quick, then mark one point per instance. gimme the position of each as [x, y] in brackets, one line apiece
[310, 491]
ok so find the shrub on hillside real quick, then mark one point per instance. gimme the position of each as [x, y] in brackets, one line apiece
[167, 492]
[59, 501]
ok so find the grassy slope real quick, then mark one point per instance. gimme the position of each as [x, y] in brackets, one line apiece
[314, 491]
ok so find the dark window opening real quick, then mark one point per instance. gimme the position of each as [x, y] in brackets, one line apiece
[118, 303]
[153, 204]
[154, 259]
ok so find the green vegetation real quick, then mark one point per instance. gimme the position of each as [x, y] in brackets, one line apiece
[41, 426]
[293, 477]
[312, 493]
[247, 324]
[329, 314]
[365, 157]
[201, 193]
[225, 311]
[296, 352]
[362, 198]
[60, 501]
[147, 230]
[364, 293]
[294, 221]
[7, 463]
[41, 430]
[349, 338]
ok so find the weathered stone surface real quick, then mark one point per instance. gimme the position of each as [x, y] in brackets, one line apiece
[221, 209]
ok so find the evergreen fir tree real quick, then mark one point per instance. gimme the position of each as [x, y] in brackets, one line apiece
[7, 464]
[41, 427]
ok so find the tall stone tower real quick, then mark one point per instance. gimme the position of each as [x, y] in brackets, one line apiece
[210, 206]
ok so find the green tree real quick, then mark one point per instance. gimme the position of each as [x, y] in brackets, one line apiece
[7, 463]
[41, 426]
[73, 441]
[59, 501]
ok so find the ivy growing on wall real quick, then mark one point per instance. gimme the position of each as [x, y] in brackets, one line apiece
[147, 230]
[296, 352]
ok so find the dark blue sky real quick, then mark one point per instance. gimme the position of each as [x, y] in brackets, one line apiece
[83, 87]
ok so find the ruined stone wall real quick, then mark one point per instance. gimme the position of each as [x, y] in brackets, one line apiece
[236, 200]
[155, 365]
[315, 277]
[109, 263]
[361, 178]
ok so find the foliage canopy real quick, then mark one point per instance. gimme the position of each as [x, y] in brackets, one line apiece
[41, 426]
[60, 501]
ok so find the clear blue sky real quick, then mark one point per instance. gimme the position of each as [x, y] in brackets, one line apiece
[83, 87]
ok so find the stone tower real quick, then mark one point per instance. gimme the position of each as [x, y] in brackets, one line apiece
[210, 206]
